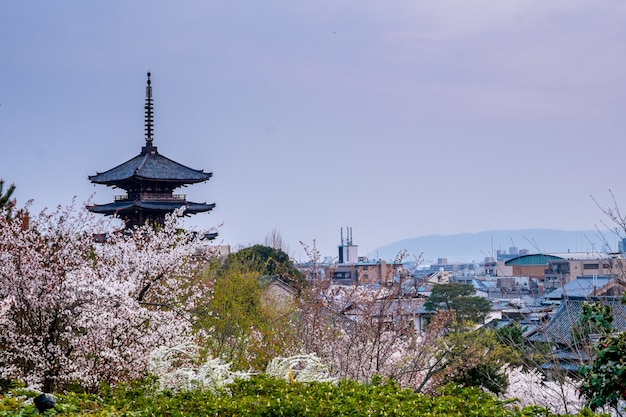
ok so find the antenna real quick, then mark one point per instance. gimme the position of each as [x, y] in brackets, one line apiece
[149, 117]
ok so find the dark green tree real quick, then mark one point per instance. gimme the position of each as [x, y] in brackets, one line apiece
[266, 261]
[6, 203]
[476, 358]
[460, 299]
[512, 336]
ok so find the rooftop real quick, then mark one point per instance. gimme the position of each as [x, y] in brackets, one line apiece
[583, 286]
[559, 328]
[150, 165]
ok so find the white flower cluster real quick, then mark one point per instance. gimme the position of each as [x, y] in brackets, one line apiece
[300, 368]
[532, 388]
[176, 370]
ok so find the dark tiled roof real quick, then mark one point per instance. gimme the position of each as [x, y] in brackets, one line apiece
[150, 165]
[559, 328]
[169, 206]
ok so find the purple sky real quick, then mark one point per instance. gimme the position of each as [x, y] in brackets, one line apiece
[397, 118]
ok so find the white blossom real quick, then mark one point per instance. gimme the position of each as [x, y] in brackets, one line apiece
[176, 368]
[85, 312]
[530, 387]
[300, 368]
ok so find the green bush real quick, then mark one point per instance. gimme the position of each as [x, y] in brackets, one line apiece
[265, 396]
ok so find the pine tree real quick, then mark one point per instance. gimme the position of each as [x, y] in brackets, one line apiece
[6, 204]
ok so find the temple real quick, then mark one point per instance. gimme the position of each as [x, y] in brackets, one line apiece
[149, 180]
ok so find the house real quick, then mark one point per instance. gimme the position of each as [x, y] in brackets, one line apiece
[353, 269]
[585, 287]
[572, 344]
[278, 293]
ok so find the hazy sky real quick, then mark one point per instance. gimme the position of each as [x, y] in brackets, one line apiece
[396, 118]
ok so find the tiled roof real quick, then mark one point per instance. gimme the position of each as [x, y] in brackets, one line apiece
[559, 328]
[150, 165]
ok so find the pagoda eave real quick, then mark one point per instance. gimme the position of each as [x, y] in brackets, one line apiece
[121, 207]
[119, 182]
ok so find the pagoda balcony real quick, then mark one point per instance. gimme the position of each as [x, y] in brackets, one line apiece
[152, 197]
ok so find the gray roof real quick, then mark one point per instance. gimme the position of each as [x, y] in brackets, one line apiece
[559, 328]
[583, 286]
[150, 165]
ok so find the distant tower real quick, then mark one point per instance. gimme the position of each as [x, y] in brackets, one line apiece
[149, 180]
[348, 253]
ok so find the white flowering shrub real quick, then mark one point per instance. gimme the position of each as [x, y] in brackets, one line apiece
[177, 369]
[300, 368]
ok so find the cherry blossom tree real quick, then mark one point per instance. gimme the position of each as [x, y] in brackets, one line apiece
[531, 387]
[76, 311]
[361, 332]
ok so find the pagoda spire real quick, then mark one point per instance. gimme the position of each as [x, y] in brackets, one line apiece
[149, 116]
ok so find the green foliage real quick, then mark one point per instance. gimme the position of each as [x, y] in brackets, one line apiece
[244, 325]
[266, 261]
[526, 355]
[596, 319]
[6, 203]
[5, 198]
[604, 381]
[460, 299]
[476, 359]
[264, 396]
[232, 314]
[470, 308]
[511, 336]
[484, 375]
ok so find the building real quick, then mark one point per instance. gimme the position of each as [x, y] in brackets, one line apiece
[586, 287]
[352, 269]
[149, 180]
[553, 271]
[571, 339]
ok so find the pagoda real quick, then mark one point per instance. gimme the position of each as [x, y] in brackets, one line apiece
[149, 180]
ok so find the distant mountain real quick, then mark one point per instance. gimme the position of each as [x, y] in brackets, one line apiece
[468, 247]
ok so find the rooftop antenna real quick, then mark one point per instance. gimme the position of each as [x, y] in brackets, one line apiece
[149, 116]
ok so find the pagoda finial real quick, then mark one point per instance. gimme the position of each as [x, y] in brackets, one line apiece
[149, 117]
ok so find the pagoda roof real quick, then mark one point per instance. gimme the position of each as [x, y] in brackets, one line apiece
[159, 206]
[150, 165]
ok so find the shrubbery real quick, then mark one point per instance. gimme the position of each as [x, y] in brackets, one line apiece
[265, 396]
